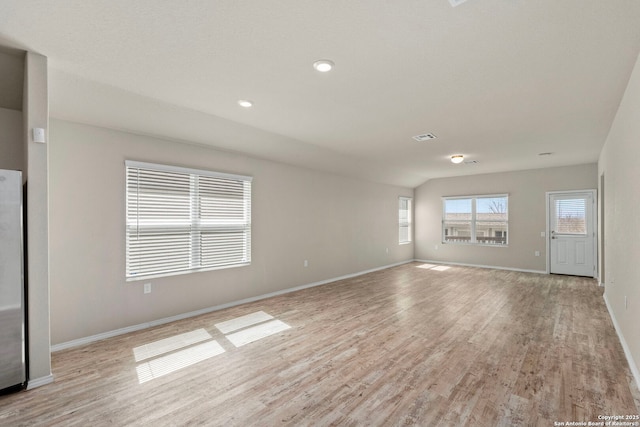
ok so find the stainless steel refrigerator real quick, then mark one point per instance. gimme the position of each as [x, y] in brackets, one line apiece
[12, 311]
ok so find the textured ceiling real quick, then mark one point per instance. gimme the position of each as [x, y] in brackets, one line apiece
[496, 80]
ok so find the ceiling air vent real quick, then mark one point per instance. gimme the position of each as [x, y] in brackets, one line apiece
[471, 162]
[424, 137]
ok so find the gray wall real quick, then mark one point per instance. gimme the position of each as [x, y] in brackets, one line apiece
[36, 114]
[24, 105]
[527, 214]
[341, 225]
[12, 77]
[11, 139]
[11, 93]
[619, 165]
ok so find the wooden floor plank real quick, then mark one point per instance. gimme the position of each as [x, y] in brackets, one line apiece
[402, 346]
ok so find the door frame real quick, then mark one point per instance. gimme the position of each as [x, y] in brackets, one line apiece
[601, 236]
[594, 194]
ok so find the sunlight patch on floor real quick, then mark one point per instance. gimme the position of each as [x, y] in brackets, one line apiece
[172, 362]
[426, 266]
[243, 322]
[171, 354]
[257, 332]
[434, 267]
[170, 344]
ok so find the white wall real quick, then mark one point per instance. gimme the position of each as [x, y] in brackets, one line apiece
[619, 165]
[527, 214]
[341, 225]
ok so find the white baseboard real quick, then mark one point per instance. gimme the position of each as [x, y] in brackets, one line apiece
[627, 352]
[494, 267]
[133, 328]
[39, 382]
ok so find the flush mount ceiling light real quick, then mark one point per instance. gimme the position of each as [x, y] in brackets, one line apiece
[323, 65]
[245, 103]
[457, 158]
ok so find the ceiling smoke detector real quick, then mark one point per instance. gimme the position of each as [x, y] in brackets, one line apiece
[424, 137]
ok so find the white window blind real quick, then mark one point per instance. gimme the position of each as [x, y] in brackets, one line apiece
[571, 216]
[181, 220]
[404, 220]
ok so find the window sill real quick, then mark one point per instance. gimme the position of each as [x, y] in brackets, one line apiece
[486, 245]
[178, 273]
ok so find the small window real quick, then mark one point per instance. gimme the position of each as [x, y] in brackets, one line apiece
[475, 220]
[571, 216]
[405, 220]
[182, 220]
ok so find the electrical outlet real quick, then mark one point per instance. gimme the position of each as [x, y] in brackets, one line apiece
[387, 250]
[306, 263]
[542, 234]
[537, 253]
[626, 303]
[147, 288]
[436, 247]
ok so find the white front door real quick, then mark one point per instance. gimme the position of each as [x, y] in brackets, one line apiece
[572, 237]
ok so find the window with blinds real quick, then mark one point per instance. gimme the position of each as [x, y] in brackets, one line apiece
[404, 220]
[181, 220]
[482, 220]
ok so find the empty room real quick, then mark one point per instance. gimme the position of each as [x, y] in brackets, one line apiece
[314, 213]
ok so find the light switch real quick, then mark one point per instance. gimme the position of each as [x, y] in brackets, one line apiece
[38, 135]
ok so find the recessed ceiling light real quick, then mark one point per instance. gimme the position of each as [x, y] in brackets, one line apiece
[458, 158]
[245, 103]
[323, 65]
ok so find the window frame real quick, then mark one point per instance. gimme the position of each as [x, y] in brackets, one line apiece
[474, 220]
[409, 221]
[199, 224]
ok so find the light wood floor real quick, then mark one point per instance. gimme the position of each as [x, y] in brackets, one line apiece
[402, 346]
